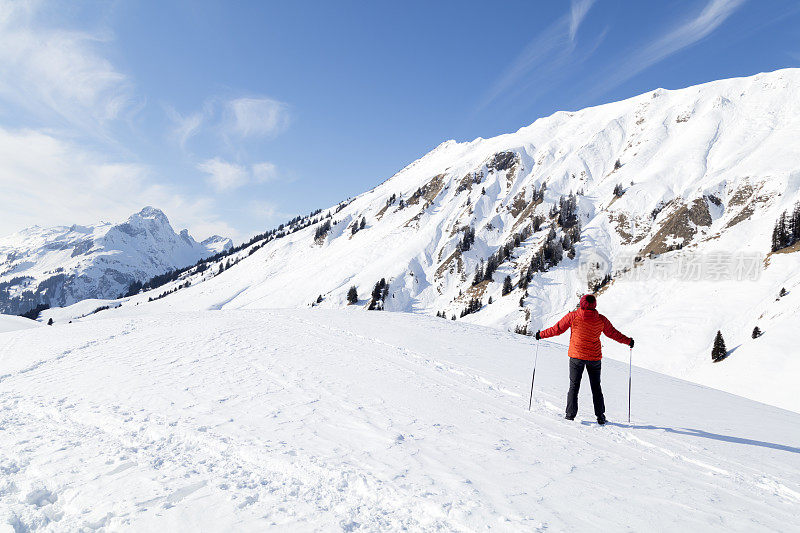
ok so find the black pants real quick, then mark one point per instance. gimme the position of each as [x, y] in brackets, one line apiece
[576, 367]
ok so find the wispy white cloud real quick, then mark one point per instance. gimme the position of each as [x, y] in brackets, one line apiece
[251, 117]
[225, 176]
[265, 172]
[48, 181]
[685, 34]
[184, 127]
[58, 72]
[577, 12]
[546, 54]
[232, 119]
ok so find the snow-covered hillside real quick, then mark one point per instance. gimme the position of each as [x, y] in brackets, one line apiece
[62, 265]
[327, 420]
[664, 203]
[14, 323]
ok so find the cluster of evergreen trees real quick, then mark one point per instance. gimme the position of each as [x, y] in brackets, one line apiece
[618, 190]
[787, 229]
[538, 195]
[358, 226]
[322, 230]
[507, 285]
[468, 240]
[379, 293]
[184, 285]
[485, 270]
[566, 213]
[34, 313]
[473, 306]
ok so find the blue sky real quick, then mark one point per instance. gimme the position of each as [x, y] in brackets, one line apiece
[233, 116]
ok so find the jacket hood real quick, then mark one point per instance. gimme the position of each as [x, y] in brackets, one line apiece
[586, 304]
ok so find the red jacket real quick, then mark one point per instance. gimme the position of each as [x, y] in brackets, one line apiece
[587, 325]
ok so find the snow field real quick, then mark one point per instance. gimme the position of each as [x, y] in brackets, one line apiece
[345, 420]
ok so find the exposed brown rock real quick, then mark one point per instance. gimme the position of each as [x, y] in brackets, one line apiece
[680, 224]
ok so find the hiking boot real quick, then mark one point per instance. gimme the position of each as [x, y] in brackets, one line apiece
[601, 419]
[569, 417]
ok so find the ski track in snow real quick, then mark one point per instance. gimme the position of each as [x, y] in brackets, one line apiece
[331, 420]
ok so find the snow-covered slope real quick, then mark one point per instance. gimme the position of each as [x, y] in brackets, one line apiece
[15, 323]
[675, 194]
[328, 420]
[63, 265]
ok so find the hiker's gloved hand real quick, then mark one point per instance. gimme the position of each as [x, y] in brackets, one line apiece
[538, 335]
[631, 344]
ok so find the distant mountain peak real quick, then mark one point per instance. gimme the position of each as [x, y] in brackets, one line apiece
[96, 261]
[151, 213]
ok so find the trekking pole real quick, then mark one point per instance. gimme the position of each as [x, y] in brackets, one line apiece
[630, 366]
[533, 377]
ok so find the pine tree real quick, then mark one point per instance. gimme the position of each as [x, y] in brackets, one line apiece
[479, 275]
[786, 230]
[352, 295]
[756, 332]
[507, 285]
[795, 223]
[468, 239]
[50, 322]
[524, 279]
[490, 300]
[618, 190]
[378, 295]
[363, 223]
[783, 292]
[319, 299]
[491, 265]
[718, 352]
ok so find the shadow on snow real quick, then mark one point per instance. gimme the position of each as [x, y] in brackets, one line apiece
[708, 435]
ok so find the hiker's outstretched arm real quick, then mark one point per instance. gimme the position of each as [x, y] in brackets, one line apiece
[560, 327]
[611, 332]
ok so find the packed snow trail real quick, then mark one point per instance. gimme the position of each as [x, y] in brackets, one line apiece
[337, 420]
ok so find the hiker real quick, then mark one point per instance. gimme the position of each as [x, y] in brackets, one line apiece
[585, 351]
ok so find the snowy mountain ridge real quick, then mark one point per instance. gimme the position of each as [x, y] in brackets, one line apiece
[65, 264]
[663, 203]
